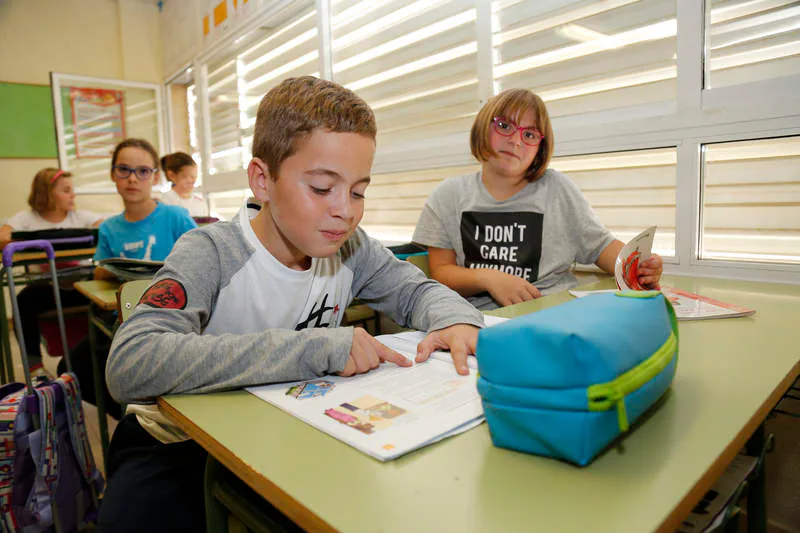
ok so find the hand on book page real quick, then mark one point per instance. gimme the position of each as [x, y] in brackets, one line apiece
[368, 353]
[460, 339]
[388, 411]
[407, 343]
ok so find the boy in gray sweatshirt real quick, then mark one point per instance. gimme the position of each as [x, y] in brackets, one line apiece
[260, 299]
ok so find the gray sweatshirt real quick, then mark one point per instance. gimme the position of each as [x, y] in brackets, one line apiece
[223, 313]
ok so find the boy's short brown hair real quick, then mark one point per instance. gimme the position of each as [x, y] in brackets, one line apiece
[512, 104]
[296, 107]
[41, 197]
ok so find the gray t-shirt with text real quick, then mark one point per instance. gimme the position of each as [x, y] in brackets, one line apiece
[537, 234]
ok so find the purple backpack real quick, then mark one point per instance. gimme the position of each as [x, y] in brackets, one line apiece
[48, 479]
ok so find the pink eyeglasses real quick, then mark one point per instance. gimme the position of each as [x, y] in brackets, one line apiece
[507, 128]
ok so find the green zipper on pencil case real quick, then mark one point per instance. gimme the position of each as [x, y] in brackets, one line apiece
[605, 396]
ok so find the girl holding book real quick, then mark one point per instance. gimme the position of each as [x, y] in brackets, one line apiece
[512, 231]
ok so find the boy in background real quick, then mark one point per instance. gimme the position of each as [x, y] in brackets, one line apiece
[260, 300]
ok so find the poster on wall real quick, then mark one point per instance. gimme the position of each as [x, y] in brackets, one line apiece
[98, 120]
[220, 17]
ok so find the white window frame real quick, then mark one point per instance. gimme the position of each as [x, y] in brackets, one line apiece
[58, 79]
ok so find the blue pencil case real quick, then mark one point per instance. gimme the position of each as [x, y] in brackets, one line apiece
[566, 381]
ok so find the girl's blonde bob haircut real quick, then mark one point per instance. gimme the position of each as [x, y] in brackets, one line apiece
[511, 104]
[41, 197]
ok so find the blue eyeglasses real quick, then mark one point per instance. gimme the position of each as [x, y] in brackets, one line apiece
[124, 172]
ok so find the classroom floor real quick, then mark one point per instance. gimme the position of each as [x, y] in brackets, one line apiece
[783, 464]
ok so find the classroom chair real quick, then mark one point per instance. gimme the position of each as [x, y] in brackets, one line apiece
[129, 295]
[421, 262]
[76, 322]
[361, 314]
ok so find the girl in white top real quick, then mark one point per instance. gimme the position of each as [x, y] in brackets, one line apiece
[181, 170]
[52, 202]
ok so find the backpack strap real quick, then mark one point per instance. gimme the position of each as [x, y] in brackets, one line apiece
[77, 433]
[10, 396]
[42, 497]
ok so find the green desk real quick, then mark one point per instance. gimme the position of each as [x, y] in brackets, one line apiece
[102, 295]
[731, 373]
[24, 259]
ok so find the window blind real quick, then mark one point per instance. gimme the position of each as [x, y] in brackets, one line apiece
[584, 56]
[751, 200]
[415, 64]
[752, 40]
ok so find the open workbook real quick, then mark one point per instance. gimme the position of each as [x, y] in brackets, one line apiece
[388, 411]
[687, 305]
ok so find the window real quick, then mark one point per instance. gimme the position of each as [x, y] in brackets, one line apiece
[395, 200]
[237, 83]
[226, 204]
[629, 191]
[636, 129]
[582, 57]
[415, 64]
[286, 49]
[223, 107]
[181, 106]
[751, 201]
[750, 41]
[100, 124]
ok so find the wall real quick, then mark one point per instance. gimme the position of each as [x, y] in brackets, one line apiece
[117, 39]
[179, 119]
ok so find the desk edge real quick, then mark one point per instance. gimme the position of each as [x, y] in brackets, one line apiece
[289, 506]
[696, 493]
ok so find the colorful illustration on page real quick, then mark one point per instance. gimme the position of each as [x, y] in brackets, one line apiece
[366, 414]
[310, 389]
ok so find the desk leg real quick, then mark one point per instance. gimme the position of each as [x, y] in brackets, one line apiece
[99, 389]
[757, 493]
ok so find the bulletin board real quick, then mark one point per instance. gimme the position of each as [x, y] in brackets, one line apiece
[27, 130]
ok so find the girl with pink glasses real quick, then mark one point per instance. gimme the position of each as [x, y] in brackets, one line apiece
[512, 231]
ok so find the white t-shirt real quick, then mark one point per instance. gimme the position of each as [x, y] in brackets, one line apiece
[196, 205]
[32, 221]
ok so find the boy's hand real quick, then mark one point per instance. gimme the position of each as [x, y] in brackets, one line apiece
[507, 289]
[460, 339]
[368, 353]
[650, 271]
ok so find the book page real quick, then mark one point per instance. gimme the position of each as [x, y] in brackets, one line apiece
[407, 341]
[688, 305]
[388, 411]
[691, 306]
